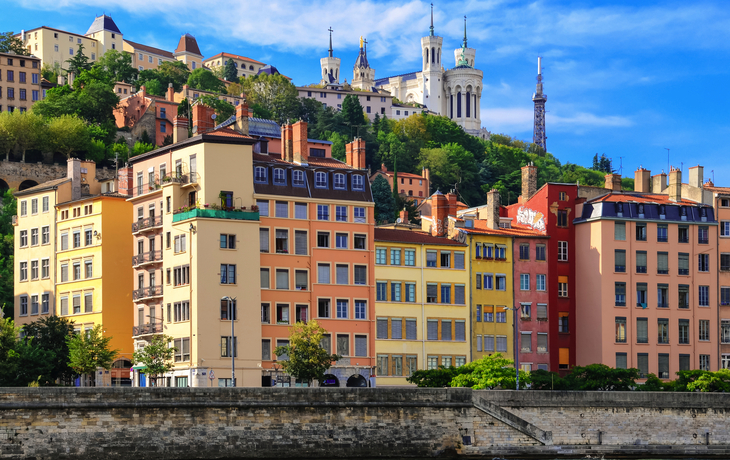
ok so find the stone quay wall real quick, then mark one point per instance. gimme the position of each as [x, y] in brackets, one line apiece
[182, 423]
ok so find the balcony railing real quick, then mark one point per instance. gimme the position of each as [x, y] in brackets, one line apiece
[147, 292]
[146, 329]
[149, 222]
[147, 257]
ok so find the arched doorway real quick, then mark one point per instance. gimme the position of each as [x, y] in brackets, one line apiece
[330, 380]
[26, 184]
[3, 187]
[357, 381]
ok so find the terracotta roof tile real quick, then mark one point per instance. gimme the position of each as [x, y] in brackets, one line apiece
[234, 56]
[407, 236]
[636, 197]
[225, 132]
[188, 43]
[149, 49]
[328, 163]
[480, 227]
[401, 174]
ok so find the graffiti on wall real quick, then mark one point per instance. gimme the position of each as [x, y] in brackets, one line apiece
[534, 219]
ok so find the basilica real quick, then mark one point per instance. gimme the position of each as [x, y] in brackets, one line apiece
[454, 93]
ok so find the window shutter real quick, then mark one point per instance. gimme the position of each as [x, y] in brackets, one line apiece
[683, 261]
[620, 258]
[396, 328]
[488, 343]
[460, 330]
[541, 311]
[265, 349]
[411, 329]
[619, 231]
[433, 329]
[459, 295]
[382, 328]
[282, 209]
[265, 278]
[479, 343]
[64, 305]
[361, 345]
[343, 345]
[263, 240]
[642, 330]
[542, 343]
[445, 329]
[301, 278]
[459, 260]
[326, 343]
[300, 210]
[641, 259]
[663, 262]
[282, 279]
[342, 274]
[300, 242]
[501, 343]
[323, 273]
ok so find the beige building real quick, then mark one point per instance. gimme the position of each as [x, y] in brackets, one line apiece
[106, 33]
[372, 102]
[54, 46]
[246, 67]
[20, 82]
[188, 52]
[146, 57]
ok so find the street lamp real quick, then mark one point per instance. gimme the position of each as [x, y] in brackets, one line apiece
[231, 348]
[516, 344]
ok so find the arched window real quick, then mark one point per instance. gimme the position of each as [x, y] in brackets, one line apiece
[458, 104]
[279, 176]
[297, 178]
[250, 67]
[340, 183]
[433, 55]
[357, 182]
[468, 104]
[438, 56]
[259, 174]
[426, 55]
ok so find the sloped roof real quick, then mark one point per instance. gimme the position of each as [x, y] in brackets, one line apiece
[616, 197]
[407, 236]
[404, 175]
[44, 186]
[103, 22]
[149, 49]
[234, 56]
[262, 127]
[480, 228]
[188, 44]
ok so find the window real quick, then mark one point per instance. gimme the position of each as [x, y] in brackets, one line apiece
[542, 312]
[704, 362]
[265, 281]
[620, 260]
[563, 322]
[662, 296]
[45, 204]
[724, 296]
[301, 281]
[620, 360]
[77, 270]
[323, 308]
[662, 263]
[661, 233]
[620, 292]
[662, 330]
[45, 266]
[228, 274]
[300, 242]
[540, 252]
[24, 238]
[263, 207]
[642, 330]
[725, 227]
[488, 281]
[341, 213]
[562, 289]
[359, 214]
[725, 262]
[88, 241]
[704, 296]
[339, 181]
[76, 304]
[431, 258]
[360, 274]
[663, 366]
[640, 232]
[524, 252]
[323, 212]
[282, 209]
[562, 218]
[642, 363]
[323, 240]
[342, 308]
[281, 241]
[620, 329]
[683, 264]
[703, 235]
[229, 347]
[282, 279]
[562, 251]
[320, 179]
[45, 235]
[34, 206]
[704, 330]
[342, 274]
[395, 257]
[501, 315]
[502, 343]
[641, 300]
[640, 261]
[77, 239]
[180, 243]
[323, 273]
[227, 241]
[279, 176]
[260, 174]
[88, 269]
[263, 239]
[64, 272]
[358, 182]
[725, 331]
[359, 241]
[683, 234]
[380, 255]
[524, 281]
[501, 282]
[445, 259]
[282, 314]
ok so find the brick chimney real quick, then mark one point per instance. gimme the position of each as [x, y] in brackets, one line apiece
[439, 214]
[300, 142]
[126, 181]
[403, 215]
[529, 182]
[696, 176]
[355, 153]
[286, 143]
[613, 182]
[73, 172]
[659, 183]
[202, 121]
[493, 209]
[451, 198]
[170, 96]
[242, 118]
[642, 180]
[675, 184]
[383, 167]
[179, 129]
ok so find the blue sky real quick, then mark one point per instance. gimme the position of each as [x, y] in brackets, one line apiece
[623, 78]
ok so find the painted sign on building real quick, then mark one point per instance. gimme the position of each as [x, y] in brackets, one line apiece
[534, 219]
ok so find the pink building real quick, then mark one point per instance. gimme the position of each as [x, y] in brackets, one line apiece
[646, 295]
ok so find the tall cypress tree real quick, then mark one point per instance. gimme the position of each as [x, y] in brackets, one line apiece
[230, 73]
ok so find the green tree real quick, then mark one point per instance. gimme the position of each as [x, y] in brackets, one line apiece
[307, 360]
[652, 383]
[231, 72]
[118, 66]
[67, 134]
[490, 372]
[718, 381]
[21, 363]
[223, 109]
[157, 81]
[51, 72]
[9, 42]
[353, 114]
[544, 380]
[235, 89]
[9, 209]
[51, 333]
[183, 110]
[90, 351]
[79, 62]
[384, 201]
[203, 79]
[339, 141]
[156, 356]
[141, 147]
[452, 167]
[601, 164]
[599, 377]
[29, 131]
[272, 96]
[434, 378]
[7, 134]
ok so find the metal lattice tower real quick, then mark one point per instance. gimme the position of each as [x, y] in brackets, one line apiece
[538, 132]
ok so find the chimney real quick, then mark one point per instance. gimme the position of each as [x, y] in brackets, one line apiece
[242, 118]
[170, 93]
[426, 174]
[613, 182]
[642, 180]
[403, 215]
[451, 199]
[439, 214]
[659, 183]
[202, 121]
[675, 184]
[355, 153]
[493, 209]
[61, 80]
[300, 142]
[348, 153]
[696, 174]
[286, 143]
[126, 181]
[179, 130]
[143, 91]
[529, 182]
[383, 168]
[73, 171]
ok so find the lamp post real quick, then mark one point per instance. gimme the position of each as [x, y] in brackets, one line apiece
[231, 342]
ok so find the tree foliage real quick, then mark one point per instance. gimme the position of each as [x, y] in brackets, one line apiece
[158, 80]
[7, 247]
[118, 66]
[601, 164]
[204, 80]
[67, 134]
[384, 200]
[156, 356]
[51, 333]
[21, 362]
[434, 378]
[230, 73]
[490, 372]
[272, 96]
[141, 147]
[9, 42]
[307, 360]
[89, 351]
[223, 109]
[79, 62]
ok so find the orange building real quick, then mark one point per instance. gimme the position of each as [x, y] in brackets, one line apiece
[317, 223]
[145, 112]
[410, 186]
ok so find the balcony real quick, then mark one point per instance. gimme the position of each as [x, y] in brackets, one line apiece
[145, 258]
[215, 214]
[150, 292]
[147, 224]
[146, 329]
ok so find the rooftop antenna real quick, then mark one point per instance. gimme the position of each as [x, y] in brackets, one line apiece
[668, 166]
[620, 164]
[713, 176]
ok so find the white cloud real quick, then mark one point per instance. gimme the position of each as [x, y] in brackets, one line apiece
[519, 120]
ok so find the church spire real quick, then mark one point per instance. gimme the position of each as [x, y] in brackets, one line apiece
[330, 29]
[464, 31]
[431, 28]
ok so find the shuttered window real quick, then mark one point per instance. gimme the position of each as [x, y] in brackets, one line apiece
[662, 261]
[542, 312]
[343, 345]
[459, 260]
[411, 329]
[460, 330]
[282, 279]
[479, 343]
[502, 343]
[432, 293]
[459, 294]
[64, 306]
[282, 209]
[300, 280]
[489, 343]
[361, 345]
[326, 343]
[619, 231]
[396, 328]
[382, 328]
[642, 330]
[342, 275]
[433, 329]
[264, 239]
[300, 242]
[323, 273]
[542, 342]
[300, 210]
[445, 329]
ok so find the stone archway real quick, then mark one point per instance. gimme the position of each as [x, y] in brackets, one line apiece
[3, 187]
[26, 184]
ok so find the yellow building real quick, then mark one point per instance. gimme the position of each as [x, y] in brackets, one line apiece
[245, 67]
[422, 309]
[56, 46]
[106, 33]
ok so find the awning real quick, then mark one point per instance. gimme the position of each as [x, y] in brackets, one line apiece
[138, 367]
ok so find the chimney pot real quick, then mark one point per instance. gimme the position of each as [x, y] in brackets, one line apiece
[493, 209]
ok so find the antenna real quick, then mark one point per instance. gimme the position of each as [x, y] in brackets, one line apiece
[620, 164]
[668, 166]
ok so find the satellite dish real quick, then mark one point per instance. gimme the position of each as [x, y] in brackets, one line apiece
[214, 116]
[399, 221]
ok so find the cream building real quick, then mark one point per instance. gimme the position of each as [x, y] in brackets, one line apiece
[21, 80]
[56, 46]
[246, 67]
